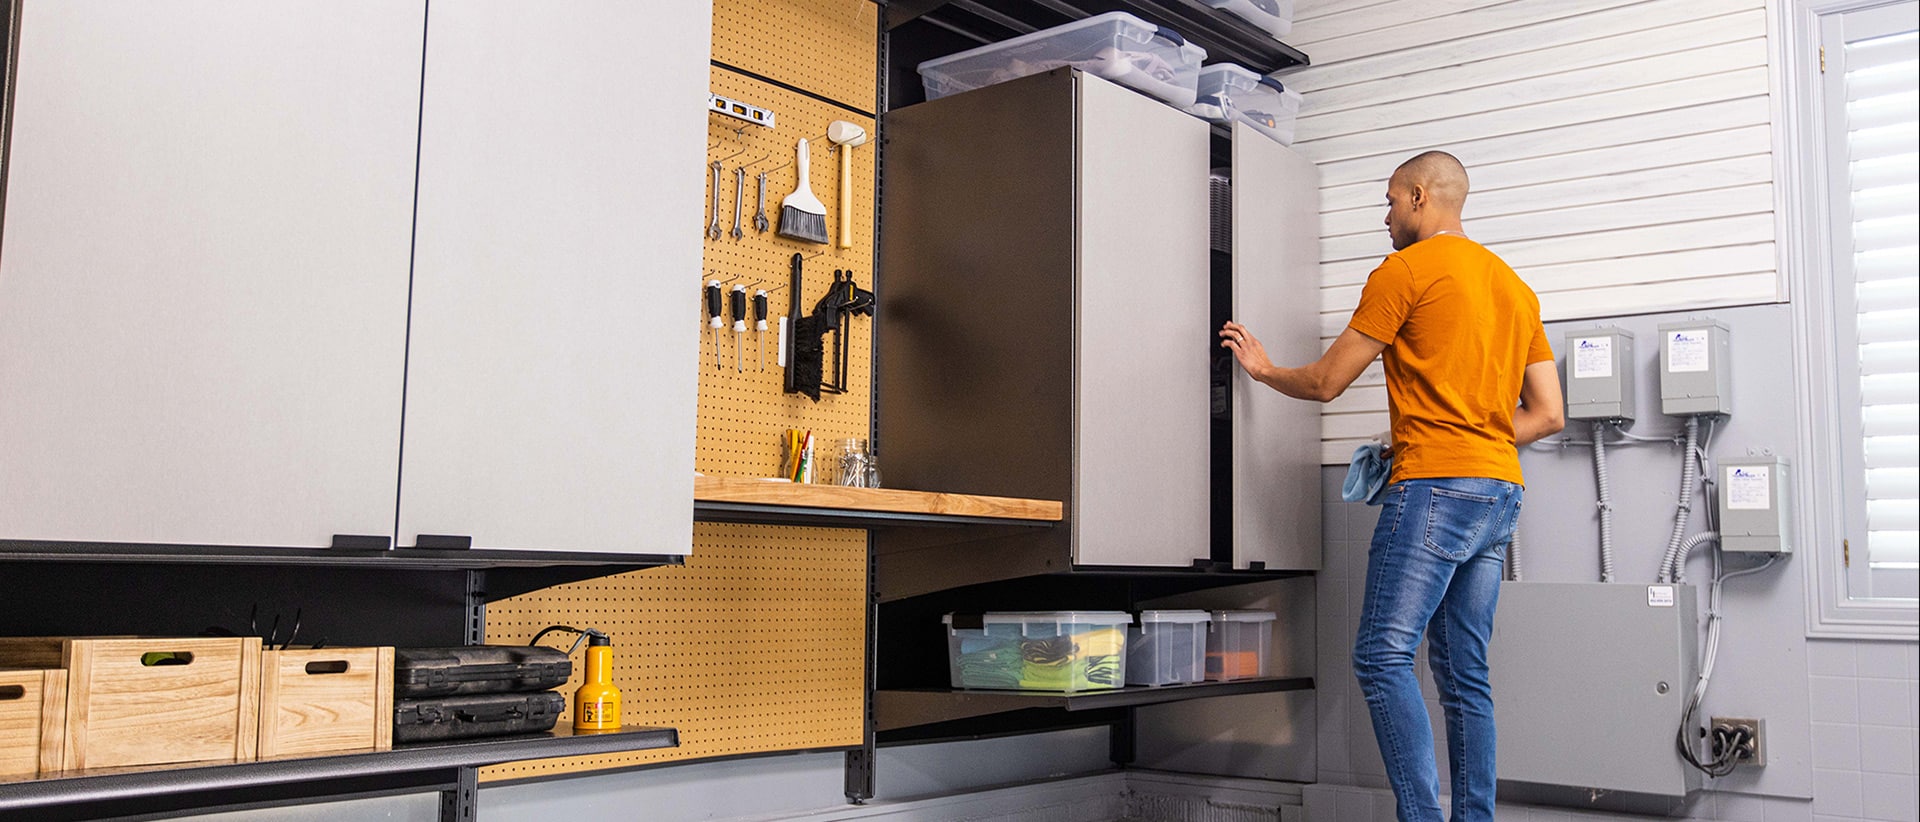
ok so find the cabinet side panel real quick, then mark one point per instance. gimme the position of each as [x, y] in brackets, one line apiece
[550, 385]
[976, 257]
[1276, 439]
[1142, 336]
[203, 284]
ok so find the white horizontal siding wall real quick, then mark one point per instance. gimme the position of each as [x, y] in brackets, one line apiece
[1620, 150]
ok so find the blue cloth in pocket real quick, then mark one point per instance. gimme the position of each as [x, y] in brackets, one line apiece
[1367, 475]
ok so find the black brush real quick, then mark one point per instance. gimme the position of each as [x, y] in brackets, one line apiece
[809, 351]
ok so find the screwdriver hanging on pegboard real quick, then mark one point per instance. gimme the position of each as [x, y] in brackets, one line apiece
[760, 324]
[737, 302]
[713, 320]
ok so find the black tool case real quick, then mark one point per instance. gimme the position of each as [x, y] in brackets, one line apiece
[477, 669]
[435, 719]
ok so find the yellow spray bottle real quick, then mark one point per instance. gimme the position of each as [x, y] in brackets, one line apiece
[596, 705]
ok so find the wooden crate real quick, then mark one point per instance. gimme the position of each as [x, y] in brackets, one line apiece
[33, 711]
[151, 701]
[332, 699]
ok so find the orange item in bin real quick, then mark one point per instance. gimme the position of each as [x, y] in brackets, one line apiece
[1233, 664]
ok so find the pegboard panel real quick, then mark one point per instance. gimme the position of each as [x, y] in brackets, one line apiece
[824, 46]
[756, 645]
[743, 413]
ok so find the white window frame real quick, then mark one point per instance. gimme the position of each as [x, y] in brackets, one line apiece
[1806, 262]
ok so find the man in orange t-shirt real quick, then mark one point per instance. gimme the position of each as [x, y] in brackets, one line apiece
[1463, 347]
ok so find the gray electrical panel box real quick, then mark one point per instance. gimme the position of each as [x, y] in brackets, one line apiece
[1589, 681]
[1754, 515]
[1695, 372]
[1600, 374]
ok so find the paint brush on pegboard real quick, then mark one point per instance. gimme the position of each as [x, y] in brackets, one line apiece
[802, 216]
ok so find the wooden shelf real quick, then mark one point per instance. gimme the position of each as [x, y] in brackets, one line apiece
[909, 707]
[734, 499]
[148, 788]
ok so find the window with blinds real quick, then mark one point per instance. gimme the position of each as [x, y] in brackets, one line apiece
[1877, 287]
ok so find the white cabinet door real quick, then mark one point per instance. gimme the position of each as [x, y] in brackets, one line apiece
[1141, 438]
[203, 270]
[550, 364]
[1276, 288]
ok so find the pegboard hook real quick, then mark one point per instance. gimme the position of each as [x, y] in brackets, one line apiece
[742, 150]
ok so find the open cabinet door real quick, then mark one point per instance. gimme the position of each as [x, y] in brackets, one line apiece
[1276, 293]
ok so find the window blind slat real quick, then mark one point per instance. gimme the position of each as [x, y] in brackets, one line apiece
[1881, 51]
[1887, 326]
[1893, 515]
[1890, 358]
[1883, 111]
[1893, 546]
[1887, 295]
[1886, 171]
[1893, 483]
[1884, 233]
[1886, 202]
[1889, 264]
[1884, 142]
[1881, 81]
[1889, 420]
[1891, 452]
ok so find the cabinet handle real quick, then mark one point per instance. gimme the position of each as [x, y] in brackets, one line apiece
[442, 542]
[362, 542]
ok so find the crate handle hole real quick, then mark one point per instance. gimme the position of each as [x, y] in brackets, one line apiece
[12, 692]
[329, 666]
[157, 658]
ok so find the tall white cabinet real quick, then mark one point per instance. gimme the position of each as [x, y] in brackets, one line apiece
[550, 366]
[203, 271]
[223, 321]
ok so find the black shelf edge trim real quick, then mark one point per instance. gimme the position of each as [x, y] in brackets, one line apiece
[397, 558]
[561, 742]
[986, 703]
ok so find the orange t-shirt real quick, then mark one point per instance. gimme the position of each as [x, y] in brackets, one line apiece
[1460, 329]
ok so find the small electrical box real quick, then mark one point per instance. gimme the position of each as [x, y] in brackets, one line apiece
[1753, 506]
[1600, 374]
[1695, 372]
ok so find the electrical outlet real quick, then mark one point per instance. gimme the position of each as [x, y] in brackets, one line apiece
[1752, 751]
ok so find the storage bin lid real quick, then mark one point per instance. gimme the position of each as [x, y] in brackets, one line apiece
[1183, 617]
[1243, 616]
[1030, 617]
[1126, 26]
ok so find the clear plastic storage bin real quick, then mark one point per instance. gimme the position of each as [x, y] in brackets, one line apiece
[1167, 647]
[1038, 650]
[1237, 644]
[1274, 17]
[1229, 93]
[1116, 45]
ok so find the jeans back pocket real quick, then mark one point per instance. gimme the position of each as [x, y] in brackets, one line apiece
[1457, 522]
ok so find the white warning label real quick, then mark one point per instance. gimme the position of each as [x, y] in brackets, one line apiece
[1659, 596]
[1593, 358]
[1688, 350]
[1749, 487]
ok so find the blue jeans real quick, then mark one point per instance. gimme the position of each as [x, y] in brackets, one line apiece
[1435, 566]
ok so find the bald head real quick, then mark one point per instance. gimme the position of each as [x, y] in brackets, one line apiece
[1440, 174]
[1424, 198]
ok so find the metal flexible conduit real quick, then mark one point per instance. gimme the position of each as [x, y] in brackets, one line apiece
[1689, 477]
[1679, 575]
[1606, 500]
